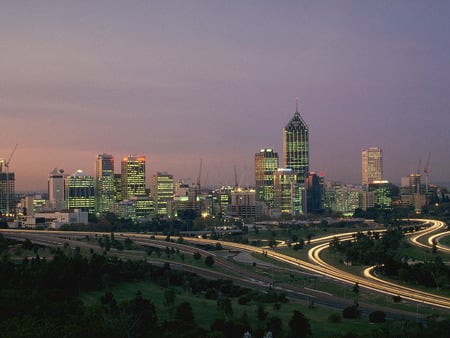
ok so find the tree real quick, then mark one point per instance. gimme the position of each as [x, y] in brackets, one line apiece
[350, 312]
[224, 305]
[299, 325]
[377, 317]
[274, 325]
[209, 261]
[261, 314]
[197, 256]
[169, 299]
[184, 314]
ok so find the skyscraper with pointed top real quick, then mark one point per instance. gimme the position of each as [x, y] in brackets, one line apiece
[296, 146]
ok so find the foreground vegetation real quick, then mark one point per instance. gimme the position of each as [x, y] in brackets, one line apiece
[73, 295]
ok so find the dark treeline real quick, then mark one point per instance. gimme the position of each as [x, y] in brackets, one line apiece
[39, 298]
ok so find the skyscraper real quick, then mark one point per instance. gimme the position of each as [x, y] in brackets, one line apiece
[296, 146]
[56, 198]
[7, 193]
[266, 162]
[286, 191]
[162, 193]
[104, 182]
[80, 192]
[133, 177]
[372, 165]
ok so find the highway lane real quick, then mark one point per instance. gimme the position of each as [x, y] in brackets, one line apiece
[318, 266]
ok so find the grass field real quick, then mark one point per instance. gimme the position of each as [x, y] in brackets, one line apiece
[205, 311]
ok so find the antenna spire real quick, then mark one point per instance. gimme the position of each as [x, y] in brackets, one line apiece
[296, 104]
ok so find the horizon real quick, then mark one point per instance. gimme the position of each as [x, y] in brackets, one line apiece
[184, 82]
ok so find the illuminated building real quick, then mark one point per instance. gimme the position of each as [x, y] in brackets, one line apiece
[118, 187]
[133, 177]
[243, 203]
[56, 199]
[266, 162]
[104, 182]
[372, 165]
[80, 192]
[287, 192]
[162, 193]
[383, 193]
[296, 146]
[221, 200]
[185, 200]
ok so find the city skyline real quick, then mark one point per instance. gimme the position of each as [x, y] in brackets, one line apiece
[185, 82]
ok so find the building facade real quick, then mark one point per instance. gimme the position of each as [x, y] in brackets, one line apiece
[56, 198]
[80, 192]
[104, 183]
[296, 146]
[7, 193]
[162, 190]
[371, 165]
[266, 163]
[133, 177]
[287, 192]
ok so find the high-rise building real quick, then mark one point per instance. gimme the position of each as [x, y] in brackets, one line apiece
[372, 165]
[287, 191]
[7, 193]
[314, 190]
[162, 190]
[383, 193]
[243, 203]
[80, 192]
[56, 197]
[266, 162]
[118, 187]
[104, 183]
[133, 177]
[296, 146]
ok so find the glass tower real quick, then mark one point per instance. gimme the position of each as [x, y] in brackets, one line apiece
[80, 192]
[104, 182]
[266, 163]
[133, 177]
[296, 146]
[372, 165]
[162, 190]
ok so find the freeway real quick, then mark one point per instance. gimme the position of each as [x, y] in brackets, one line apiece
[315, 264]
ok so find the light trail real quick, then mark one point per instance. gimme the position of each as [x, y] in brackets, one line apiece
[316, 264]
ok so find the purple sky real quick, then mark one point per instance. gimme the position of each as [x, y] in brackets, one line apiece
[178, 81]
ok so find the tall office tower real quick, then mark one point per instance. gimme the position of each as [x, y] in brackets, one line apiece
[104, 183]
[414, 183]
[372, 165]
[162, 190]
[80, 192]
[133, 177]
[383, 193]
[118, 187]
[7, 193]
[296, 146]
[286, 191]
[266, 162]
[314, 191]
[56, 199]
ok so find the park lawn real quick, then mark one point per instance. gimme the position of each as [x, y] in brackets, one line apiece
[205, 311]
[445, 240]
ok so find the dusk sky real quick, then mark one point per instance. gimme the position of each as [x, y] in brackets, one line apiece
[180, 81]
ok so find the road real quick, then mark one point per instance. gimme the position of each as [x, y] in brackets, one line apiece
[315, 265]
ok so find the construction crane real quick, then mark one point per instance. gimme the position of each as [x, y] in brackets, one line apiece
[426, 172]
[199, 177]
[7, 190]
